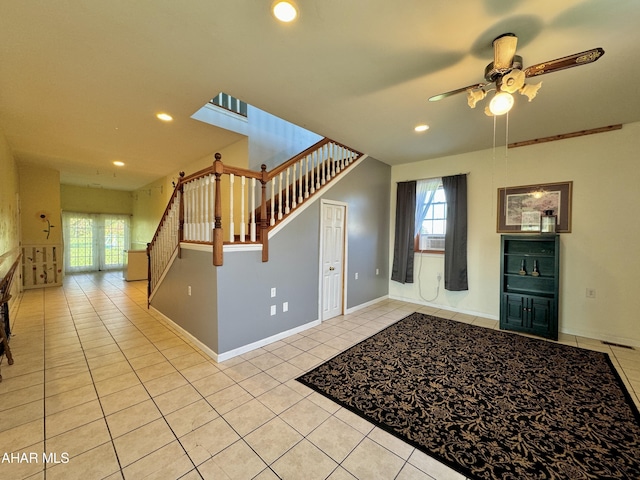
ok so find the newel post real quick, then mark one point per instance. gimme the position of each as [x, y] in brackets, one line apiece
[148, 274]
[217, 212]
[264, 222]
[180, 187]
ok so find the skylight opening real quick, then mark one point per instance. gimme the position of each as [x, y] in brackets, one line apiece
[226, 101]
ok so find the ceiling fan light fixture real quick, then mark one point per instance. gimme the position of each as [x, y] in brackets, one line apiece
[474, 96]
[501, 103]
[530, 90]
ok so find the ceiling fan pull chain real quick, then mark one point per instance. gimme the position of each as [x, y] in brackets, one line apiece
[506, 149]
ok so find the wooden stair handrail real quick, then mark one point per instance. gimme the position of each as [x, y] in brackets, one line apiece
[166, 210]
[211, 170]
[214, 173]
[239, 171]
[281, 168]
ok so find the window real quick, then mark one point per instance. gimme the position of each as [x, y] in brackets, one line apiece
[94, 242]
[431, 216]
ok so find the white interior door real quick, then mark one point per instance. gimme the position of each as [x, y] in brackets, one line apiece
[333, 239]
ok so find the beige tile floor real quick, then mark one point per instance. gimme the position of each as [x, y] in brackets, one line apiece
[109, 391]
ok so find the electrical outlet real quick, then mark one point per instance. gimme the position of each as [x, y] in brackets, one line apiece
[273, 310]
[439, 276]
[591, 293]
[273, 292]
[285, 306]
[356, 275]
[189, 290]
[377, 271]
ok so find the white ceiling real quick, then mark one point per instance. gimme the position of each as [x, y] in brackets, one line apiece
[81, 81]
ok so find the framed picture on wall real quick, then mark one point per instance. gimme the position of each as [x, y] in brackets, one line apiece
[520, 208]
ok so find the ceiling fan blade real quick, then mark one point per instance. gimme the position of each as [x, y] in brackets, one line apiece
[435, 98]
[574, 60]
[504, 48]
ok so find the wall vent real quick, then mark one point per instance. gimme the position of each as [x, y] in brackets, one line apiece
[611, 344]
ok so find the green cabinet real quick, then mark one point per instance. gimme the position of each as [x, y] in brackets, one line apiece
[529, 276]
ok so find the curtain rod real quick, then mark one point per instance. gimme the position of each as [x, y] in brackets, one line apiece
[429, 178]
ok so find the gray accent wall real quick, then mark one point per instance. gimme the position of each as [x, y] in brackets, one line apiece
[366, 191]
[245, 282]
[231, 307]
[196, 313]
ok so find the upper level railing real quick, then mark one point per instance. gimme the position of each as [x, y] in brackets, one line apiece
[229, 205]
[230, 103]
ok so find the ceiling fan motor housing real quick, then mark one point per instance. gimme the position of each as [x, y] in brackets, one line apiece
[491, 74]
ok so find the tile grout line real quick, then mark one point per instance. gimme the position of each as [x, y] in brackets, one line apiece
[93, 383]
[146, 390]
[119, 307]
[44, 379]
[221, 416]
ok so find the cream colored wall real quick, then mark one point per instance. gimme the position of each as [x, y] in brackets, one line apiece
[150, 202]
[95, 200]
[9, 221]
[599, 253]
[39, 194]
[9, 187]
[236, 154]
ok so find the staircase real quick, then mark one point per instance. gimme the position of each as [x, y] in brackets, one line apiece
[224, 205]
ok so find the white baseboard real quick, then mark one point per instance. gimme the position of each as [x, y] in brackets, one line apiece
[444, 307]
[182, 331]
[365, 305]
[221, 357]
[630, 342]
[266, 341]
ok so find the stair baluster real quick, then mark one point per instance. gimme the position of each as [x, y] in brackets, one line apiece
[194, 213]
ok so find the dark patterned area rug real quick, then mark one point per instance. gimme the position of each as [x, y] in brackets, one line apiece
[490, 404]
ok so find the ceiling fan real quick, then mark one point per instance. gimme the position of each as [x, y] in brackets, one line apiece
[507, 74]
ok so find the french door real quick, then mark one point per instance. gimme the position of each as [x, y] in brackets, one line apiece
[94, 242]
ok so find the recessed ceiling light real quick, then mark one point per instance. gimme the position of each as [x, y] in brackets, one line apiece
[165, 117]
[118, 163]
[421, 128]
[285, 11]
